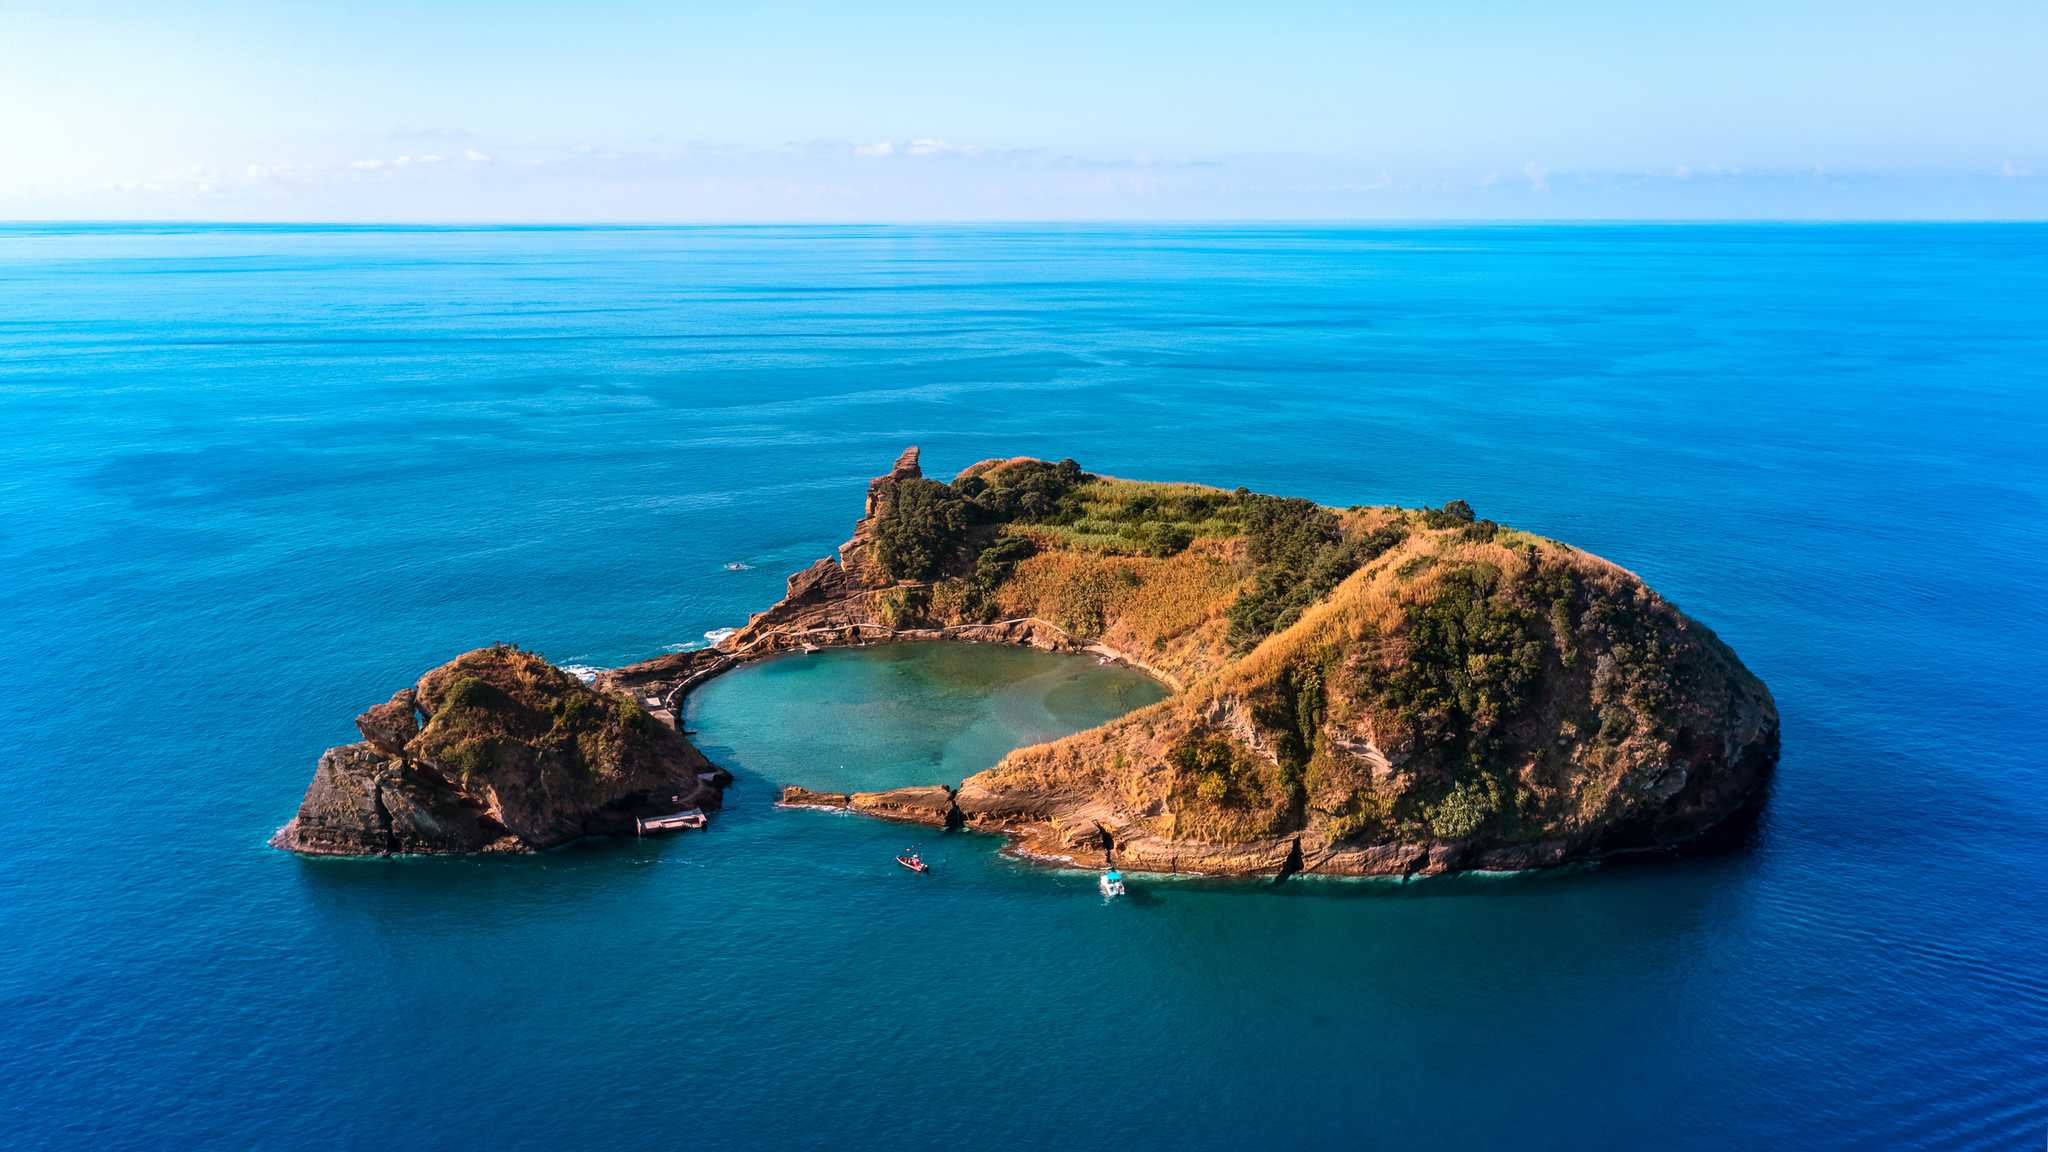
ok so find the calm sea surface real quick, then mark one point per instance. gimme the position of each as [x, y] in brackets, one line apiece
[255, 478]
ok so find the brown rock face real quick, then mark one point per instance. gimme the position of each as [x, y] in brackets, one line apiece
[795, 797]
[925, 804]
[391, 725]
[515, 755]
[857, 564]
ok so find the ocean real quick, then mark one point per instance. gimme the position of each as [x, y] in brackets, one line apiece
[257, 477]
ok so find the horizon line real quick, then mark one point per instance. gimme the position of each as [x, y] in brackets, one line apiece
[1016, 222]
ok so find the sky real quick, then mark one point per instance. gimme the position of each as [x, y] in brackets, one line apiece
[890, 110]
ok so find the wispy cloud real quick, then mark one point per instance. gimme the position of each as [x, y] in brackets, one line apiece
[921, 146]
[932, 146]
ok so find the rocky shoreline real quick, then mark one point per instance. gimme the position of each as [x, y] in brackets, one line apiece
[1081, 844]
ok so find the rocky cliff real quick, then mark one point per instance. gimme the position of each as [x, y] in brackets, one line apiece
[497, 751]
[1359, 690]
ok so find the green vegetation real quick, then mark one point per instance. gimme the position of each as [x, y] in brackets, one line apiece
[1129, 518]
[920, 528]
[1451, 515]
[925, 525]
[1475, 657]
[903, 607]
[1211, 765]
[469, 692]
[1019, 490]
[1300, 553]
[1631, 678]
[991, 568]
[502, 705]
[1291, 712]
[1465, 809]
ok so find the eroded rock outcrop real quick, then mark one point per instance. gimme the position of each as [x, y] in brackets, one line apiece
[497, 751]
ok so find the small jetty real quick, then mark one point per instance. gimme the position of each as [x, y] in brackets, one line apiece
[674, 821]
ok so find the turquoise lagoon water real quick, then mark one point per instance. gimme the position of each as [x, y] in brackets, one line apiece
[258, 476]
[857, 719]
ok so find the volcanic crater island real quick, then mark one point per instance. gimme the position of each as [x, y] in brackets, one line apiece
[1354, 691]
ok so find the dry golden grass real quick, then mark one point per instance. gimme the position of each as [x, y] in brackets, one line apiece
[1165, 611]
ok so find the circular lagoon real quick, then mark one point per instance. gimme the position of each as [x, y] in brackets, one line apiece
[861, 719]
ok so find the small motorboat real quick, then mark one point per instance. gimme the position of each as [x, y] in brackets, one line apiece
[1111, 883]
[914, 862]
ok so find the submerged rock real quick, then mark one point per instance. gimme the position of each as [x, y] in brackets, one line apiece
[497, 751]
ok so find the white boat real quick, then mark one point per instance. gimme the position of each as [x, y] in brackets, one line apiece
[1111, 883]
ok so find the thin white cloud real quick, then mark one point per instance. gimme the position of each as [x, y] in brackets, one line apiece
[933, 146]
[923, 146]
[1539, 180]
[366, 165]
[476, 157]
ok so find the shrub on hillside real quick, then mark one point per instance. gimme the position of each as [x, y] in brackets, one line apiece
[1451, 515]
[1024, 490]
[1465, 809]
[920, 527]
[1301, 554]
[1475, 656]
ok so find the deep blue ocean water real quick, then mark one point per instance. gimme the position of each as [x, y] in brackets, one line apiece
[257, 477]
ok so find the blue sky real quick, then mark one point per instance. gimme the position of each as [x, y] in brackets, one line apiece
[916, 111]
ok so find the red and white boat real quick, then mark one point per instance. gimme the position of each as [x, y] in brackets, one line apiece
[914, 862]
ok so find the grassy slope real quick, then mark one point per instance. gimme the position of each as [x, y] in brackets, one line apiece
[1466, 682]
